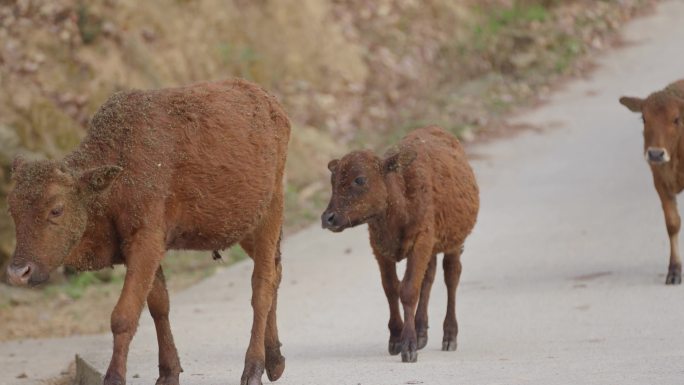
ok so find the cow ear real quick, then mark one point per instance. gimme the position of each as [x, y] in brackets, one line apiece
[399, 160]
[99, 178]
[632, 103]
[17, 163]
[332, 165]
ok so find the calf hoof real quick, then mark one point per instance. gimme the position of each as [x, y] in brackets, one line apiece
[113, 379]
[422, 338]
[252, 374]
[673, 278]
[275, 365]
[449, 344]
[394, 346]
[409, 353]
[167, 380]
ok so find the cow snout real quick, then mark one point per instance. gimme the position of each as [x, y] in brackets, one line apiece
[19, 275]
[328, 220]
[657, 155]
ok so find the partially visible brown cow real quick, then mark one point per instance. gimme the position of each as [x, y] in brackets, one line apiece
[663, 115]
[198, 167]
[420, 200]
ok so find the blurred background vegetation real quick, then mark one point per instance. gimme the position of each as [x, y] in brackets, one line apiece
[351, 73]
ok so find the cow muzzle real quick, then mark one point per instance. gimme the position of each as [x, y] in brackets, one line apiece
[657, 155]
[20, 274]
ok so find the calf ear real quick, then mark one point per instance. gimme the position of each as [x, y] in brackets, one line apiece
[98, 179]
[332, 165]
[17, 163]
[632, 103]
[399, 160]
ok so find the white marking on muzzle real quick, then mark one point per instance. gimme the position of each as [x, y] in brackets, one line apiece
[666, 155]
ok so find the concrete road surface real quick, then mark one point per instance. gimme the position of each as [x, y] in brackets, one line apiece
[563, 279]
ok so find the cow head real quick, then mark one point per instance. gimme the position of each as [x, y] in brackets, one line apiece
[50, 205]
[663, 116]
[359, 190]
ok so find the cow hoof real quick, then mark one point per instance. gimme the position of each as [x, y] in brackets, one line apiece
[167, 380]
[113, 379]
[422, 339]
[394, 348]
[673, 278]
[409, 356]
[252, 374]
[449, 345]
[275, 367]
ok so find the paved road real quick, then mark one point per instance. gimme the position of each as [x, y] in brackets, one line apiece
[563, 279]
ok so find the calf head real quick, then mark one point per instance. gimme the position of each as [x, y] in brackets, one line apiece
[50, 206]
[663, 116]
[359, 190]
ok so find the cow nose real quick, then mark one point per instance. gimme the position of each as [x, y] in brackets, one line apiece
[656, 154]
[328, 219]
[19, 275]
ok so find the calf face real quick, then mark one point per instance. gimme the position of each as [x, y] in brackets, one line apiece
[49, 207]
[663, 116]
[359, 191]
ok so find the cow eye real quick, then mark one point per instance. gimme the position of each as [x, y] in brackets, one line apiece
[56, 212]
[360, 181]
[676, 121]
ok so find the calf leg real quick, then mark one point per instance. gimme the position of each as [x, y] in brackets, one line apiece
[452, 274]
[390, 284]
[264, 285]
[143, 254]
[158, 303]
[673, 222]
[422, 312]
[275, 362]
[409, 292]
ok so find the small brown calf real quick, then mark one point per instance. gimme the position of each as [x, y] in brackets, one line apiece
[420, 200]
[663, 115]
[198, 167]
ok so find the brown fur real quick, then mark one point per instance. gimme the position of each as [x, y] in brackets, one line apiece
[420, 200]
[198, 167]
[663, 115]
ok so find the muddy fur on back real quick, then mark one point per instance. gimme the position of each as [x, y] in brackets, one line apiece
[197, 167]
[663, 116]
[419, 200]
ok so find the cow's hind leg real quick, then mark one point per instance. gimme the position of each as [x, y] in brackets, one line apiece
[452, 274]
[158, 304]
[422, 312]
[265, 277]
[673, 222]
[275, 362]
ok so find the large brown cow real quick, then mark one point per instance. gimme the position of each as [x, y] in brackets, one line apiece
[663, 115]
[420, 200]
[197, 167]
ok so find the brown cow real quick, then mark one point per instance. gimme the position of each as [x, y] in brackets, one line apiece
[197, 167]
[663, 115]
[420, 200]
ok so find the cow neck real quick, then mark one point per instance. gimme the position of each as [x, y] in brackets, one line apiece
[388, 226]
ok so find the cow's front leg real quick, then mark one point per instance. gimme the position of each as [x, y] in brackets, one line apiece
[158, 304]
[673, 222]
[390, 284]
[143, 254]
[409, 292]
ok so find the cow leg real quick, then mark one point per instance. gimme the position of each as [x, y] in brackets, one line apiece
[390, 284]
[264, 285]
[409, 292]
[275, 362]
[422, 312]
[452, 274]
[158, 304]
[143, 254]
[673, 222]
